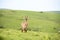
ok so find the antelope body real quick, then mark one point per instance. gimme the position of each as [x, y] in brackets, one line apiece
[24, 25]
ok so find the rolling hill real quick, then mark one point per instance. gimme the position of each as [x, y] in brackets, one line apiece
[45, 23]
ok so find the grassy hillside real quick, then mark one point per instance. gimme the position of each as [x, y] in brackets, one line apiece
[45, 21]
[42, 26]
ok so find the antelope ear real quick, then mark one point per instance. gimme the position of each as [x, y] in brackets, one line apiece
[26, 17]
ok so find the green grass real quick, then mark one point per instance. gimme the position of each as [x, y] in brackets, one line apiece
[42, 26]
[10, 34]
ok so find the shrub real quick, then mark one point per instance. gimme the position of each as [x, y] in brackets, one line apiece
[41, 12]
[1, 38]
[1, 26]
